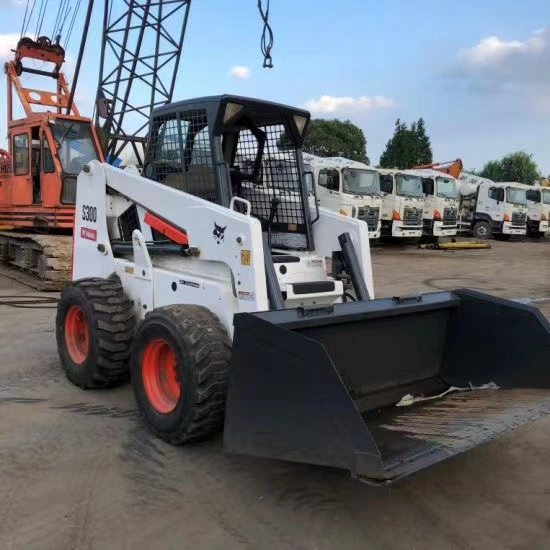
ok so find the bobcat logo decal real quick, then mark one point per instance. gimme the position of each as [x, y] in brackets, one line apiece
[219, 233]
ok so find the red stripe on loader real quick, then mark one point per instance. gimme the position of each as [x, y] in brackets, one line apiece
[169, 231]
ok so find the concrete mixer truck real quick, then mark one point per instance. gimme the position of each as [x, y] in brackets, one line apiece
[538, 210]
[403, 203]
[488, 208]
[348, 187]
[440, 203]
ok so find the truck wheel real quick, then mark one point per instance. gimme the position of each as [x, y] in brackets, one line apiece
[179, 371]
[94, 328]
[482, 230]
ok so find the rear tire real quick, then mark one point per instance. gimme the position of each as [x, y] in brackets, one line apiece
[482, 230]
[94, 328]
[179, 370]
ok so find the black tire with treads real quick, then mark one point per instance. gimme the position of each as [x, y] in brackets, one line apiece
[202, 352]
[111, 321]
[482, 230]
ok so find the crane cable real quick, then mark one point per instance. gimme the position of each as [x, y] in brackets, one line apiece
[62, 12]
[41, 15]
[266, 42]
[26, 21]
[71, 26]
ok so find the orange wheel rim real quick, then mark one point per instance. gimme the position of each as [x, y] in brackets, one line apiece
[160, 376]
[77, 334]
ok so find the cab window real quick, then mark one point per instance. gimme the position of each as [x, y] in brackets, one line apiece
[330, 179]
[21, 154]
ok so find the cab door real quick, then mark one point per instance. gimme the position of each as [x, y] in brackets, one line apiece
[22, 178]
[50, 180]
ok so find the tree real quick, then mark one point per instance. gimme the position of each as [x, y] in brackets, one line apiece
[424, 151]
[408, 147]
[518, 166]
[333, 138]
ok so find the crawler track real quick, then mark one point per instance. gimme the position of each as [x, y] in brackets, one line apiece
[40, 261]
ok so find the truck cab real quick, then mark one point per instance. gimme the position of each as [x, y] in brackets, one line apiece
[402, 203]
[492, 208]
[440, 204]
[538, 210]
[348, 187]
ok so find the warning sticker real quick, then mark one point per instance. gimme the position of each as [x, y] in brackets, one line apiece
[87, 233]
[245, 257]
[245, 295]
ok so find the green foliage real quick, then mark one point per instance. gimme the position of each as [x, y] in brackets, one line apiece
[333, 138]
[518, 166]
[408, 147]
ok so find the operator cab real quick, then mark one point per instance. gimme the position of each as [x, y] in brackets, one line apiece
[229, 147]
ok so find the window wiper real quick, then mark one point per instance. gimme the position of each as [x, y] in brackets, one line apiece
[60, 141]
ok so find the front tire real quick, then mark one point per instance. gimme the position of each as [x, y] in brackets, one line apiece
[482, 230]
[94, 328]
[179, 370]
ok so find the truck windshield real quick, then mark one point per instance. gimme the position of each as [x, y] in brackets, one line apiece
[74, 143]
[446, 188]
[361, 182]
[515, 195]
[408, 186]
[546, 196]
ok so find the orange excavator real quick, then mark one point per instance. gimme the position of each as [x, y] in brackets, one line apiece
[451, 167]
[47, 148]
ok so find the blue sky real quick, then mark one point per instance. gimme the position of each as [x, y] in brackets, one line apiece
[478, 72]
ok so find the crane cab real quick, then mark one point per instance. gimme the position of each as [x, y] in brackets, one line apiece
[47, 145]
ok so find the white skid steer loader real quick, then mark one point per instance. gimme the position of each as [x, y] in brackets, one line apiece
[206, 282]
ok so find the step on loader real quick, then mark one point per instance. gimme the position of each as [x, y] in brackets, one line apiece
[205, 281]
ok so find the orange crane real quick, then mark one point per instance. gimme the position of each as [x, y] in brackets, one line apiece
[452, 167]
[47, 149]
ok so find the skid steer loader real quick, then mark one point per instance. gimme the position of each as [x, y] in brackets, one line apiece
[208, 286]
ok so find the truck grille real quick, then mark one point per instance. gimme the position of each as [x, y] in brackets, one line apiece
[519, 218]
[412, 216]
[369, 215]
[449, 216]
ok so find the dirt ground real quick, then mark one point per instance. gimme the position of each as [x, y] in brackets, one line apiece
[78, 470]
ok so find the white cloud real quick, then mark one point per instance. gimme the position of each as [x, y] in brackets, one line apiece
[240, 71]
[514, 71]
[334, 104]
[492, 50]
[8, 42]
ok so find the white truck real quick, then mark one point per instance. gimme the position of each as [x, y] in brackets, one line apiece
[488, 208]
[402, 203]
[440, 203]
[538, 210]
[348, 187]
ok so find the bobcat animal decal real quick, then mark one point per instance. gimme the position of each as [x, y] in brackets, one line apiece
[219, 233]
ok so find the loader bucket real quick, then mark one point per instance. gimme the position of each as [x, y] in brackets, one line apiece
[322, 386]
